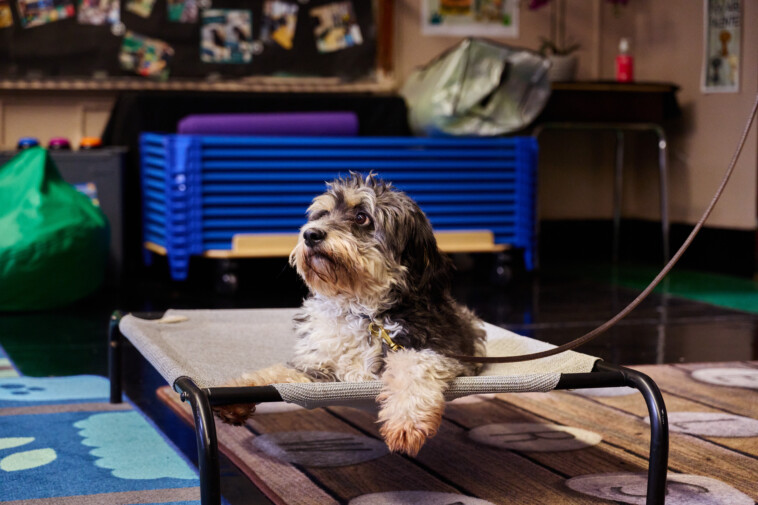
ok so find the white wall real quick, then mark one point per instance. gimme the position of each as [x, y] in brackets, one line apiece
[576, 169]
[53, 114]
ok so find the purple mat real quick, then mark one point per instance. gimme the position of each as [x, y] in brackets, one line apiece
[338, 124]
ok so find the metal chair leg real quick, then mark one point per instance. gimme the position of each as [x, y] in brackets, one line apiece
[659, 432]
[663, 168]
[207, 443]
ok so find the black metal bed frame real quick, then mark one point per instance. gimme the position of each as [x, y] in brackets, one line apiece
[203, 399]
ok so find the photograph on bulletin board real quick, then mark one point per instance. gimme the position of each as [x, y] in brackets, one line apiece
[182, 11]
[279, 23]
[99, 12]
[146, 56]
[40, 12]
[142, 8]
[231, 40]
[337, 27]
[226, 36]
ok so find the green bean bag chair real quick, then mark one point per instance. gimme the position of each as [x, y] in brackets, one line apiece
[53, 239]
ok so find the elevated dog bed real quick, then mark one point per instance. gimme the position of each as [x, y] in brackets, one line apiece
[198, 351]
[243, 341]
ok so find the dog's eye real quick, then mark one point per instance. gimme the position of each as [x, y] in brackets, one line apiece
[362, 219]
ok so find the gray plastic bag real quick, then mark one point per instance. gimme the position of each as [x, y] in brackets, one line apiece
[477, 88]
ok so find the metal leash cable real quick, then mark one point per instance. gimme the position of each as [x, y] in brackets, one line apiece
[587, 337]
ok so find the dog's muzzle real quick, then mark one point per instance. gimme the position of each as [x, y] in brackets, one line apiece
[313, 237]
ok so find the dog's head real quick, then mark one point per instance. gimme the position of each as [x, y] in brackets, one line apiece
[366, 241]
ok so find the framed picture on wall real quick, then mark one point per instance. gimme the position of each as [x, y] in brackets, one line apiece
[463, 18]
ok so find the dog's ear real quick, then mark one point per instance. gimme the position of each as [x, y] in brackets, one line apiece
[428, 268]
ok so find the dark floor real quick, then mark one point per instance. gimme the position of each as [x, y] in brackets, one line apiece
[561, 303]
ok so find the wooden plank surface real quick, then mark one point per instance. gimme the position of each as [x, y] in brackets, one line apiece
[453, 462]
[387, 473]
[676, 379]
[598, 459]
[675, 402]
[275, 479]
[483, 471]
[687, 454]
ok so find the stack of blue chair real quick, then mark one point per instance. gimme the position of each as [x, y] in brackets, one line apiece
[199, 191]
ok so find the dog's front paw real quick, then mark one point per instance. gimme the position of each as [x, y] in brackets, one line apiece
[407, 436]
[235, 415]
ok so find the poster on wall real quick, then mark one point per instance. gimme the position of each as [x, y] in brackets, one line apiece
[478, 18]
[722, 59]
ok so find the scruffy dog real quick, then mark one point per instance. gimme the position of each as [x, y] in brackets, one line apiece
[369, 257]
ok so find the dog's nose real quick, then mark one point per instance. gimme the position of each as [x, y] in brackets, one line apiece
[313, 236]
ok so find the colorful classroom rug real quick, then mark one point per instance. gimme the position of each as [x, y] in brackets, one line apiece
[63, 443]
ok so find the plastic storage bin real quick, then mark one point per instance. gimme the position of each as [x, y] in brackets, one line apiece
[211, 195]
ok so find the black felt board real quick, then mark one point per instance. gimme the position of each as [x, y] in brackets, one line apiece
[68, 49]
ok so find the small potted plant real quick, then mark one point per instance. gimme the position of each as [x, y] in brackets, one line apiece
[562, 55]
[563, 59]
[560, 52]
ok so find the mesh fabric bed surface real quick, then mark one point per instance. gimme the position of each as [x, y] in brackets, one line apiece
[212, 347]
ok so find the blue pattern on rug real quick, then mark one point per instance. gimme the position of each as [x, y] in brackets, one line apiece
[53, 453]
[74, 470]
[121, 440]
[25, 391]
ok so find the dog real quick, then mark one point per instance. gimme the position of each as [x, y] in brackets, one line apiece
[379, 308]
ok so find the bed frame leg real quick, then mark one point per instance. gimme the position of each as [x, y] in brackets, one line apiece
[659, 436]
[115, 341]
[659, 431]
[207, 444]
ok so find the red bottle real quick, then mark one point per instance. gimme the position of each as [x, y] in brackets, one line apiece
[624, 63]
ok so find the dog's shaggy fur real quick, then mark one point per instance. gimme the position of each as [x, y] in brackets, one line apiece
[368, 254]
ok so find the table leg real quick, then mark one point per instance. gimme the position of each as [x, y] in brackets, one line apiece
[618, 189]
[663, 169]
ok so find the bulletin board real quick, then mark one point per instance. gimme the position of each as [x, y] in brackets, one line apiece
[201, 40]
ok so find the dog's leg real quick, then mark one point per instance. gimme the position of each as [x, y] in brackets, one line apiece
[237, 414]
[412, 401]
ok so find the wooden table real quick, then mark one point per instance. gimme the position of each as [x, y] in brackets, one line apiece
[619, 108]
